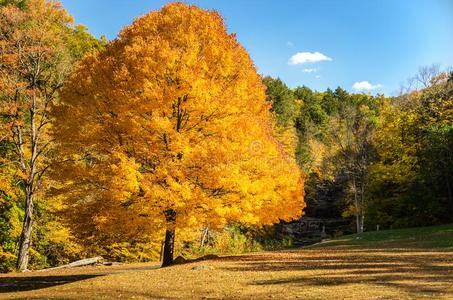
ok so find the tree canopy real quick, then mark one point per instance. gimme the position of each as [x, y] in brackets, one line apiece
[37, 42]
[169, 128]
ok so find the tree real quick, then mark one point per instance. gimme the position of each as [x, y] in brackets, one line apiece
[410, 183]
[284, 110]
[79, 42]
[434, 131]
[311, 124]
[352, 132]
[18, 3]
[282, 100]
[426, 74]
[168, 129]
[35, 58]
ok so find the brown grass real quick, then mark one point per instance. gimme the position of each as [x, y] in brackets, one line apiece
[333, 273]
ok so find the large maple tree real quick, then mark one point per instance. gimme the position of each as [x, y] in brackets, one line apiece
[169, 128]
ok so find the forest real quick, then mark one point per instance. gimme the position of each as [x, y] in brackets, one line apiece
[167, 141]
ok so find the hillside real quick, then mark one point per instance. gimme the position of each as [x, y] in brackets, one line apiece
[405, 264]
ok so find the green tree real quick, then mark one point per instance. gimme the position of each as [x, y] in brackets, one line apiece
[410, 183]
[351, 131]
[80, 42]
[282, 100]
[19, 3]
[310, 124]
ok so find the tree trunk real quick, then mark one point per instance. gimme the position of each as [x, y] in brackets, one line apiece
[26, 234]
[357, 208]
[357, 223]
[170, 217]
[204, 236]
[27, 229]
[362, 204]
[362, 222]
[450, 198]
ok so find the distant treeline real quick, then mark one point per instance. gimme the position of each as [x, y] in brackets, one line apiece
[381, 160]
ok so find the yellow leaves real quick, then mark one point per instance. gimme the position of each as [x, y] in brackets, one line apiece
[170, 111]
[57, 233]
[6, 186]
[100, 220]
[125, 177]
[192, 222]
[4, 255]
[161, 124]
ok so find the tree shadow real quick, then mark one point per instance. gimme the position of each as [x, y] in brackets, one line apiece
[35, 281]
[28, 283]
[413, 270]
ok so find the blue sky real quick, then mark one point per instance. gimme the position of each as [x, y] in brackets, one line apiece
[374, 44]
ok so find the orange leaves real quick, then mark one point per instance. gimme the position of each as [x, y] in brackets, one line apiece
[170, 113]
[34, 61]
[125, 179]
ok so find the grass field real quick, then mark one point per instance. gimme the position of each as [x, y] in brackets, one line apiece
[397, 264]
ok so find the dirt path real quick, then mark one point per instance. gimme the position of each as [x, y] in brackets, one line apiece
[336, 273]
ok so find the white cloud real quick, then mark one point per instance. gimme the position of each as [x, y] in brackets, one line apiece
[365, 85]
[310, 70]
[307, 57]
[318, 76]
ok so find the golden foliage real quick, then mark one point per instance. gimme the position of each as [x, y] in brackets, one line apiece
[38, 47]
[171, 116]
